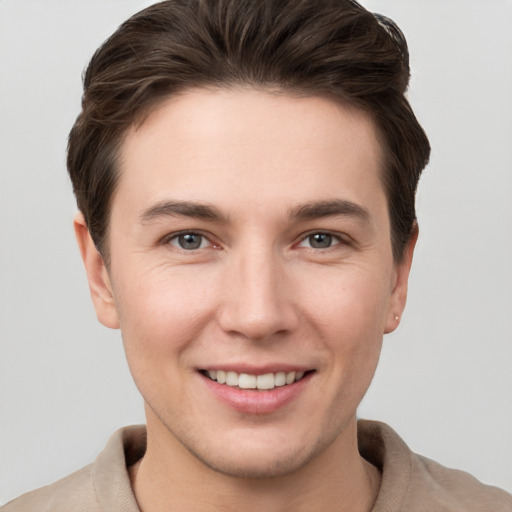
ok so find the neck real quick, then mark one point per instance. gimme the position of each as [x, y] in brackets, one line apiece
[170, 479]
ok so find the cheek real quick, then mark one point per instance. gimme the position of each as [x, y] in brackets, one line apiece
[162, 311]
[162, 317]
[348, 315]
[352, 302]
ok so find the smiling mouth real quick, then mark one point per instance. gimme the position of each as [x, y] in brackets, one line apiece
[258, 382]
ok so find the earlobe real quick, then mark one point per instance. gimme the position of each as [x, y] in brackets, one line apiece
[399, 293]
[99, 281]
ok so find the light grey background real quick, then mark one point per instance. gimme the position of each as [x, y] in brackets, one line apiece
[445, 379]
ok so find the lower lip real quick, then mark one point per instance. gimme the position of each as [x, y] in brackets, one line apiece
[251, 401]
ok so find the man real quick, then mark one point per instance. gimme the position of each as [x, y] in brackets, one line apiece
[245, 173]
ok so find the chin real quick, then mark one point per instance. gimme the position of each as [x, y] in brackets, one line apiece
[260, 466]
[259, 455]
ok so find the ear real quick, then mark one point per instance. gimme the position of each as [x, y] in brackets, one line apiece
[97, 275]
[399, 293]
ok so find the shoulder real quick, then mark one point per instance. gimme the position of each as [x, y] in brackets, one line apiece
[454, 490]
[74, 493]
[411, 482]
[103, 485]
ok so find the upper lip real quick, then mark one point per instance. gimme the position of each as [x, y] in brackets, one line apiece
[252, 369]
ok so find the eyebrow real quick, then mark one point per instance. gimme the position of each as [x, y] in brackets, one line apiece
[336, 207]
[308, 211]
[183, 209]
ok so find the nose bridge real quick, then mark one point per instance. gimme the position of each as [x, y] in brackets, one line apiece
[257, 296]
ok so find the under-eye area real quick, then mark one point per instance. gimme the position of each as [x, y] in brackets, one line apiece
[257, 382]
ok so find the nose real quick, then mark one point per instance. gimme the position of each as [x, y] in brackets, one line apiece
[258, 296]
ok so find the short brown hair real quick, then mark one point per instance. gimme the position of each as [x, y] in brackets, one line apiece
[333, 47]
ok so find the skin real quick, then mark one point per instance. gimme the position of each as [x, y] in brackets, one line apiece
[256, 293]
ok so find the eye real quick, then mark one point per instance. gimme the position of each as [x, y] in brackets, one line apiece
[320, 241]
[189, 241]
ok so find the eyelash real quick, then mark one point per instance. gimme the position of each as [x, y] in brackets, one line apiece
[335, 240]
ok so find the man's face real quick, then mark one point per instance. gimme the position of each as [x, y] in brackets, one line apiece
[250, 241]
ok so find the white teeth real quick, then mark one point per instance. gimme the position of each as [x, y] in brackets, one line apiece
[232, 378]
[246, 381]
[280, 379]
[266, 381]
[290, 377]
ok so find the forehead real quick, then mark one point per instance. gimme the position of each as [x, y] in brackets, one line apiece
[250, 148]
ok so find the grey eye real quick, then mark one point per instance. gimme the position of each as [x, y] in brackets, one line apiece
[320, 240]
[189, 241]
